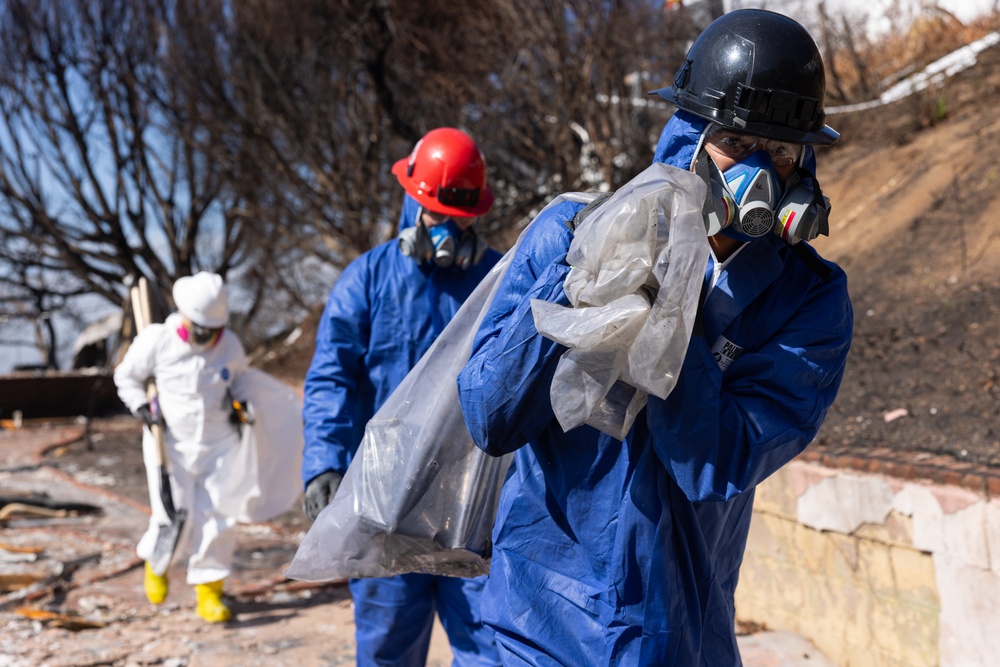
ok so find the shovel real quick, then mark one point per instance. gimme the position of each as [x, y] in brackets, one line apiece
[168, 535]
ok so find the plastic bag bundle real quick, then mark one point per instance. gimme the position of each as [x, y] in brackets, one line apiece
[262, 473]
[638, 263]
[419, 496]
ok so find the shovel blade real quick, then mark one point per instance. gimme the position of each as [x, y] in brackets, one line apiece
[166, 543]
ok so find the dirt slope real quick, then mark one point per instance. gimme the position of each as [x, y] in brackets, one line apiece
[915, 226]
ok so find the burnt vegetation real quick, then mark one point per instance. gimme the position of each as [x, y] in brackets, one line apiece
[162, 137]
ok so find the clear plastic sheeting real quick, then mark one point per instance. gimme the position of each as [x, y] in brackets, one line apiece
[419, 496]
[638, 264]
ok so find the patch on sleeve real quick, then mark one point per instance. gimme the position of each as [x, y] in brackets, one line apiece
[726, 352]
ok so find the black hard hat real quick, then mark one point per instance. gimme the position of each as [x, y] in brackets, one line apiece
[756, 72]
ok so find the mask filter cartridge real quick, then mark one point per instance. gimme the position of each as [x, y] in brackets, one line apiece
[749, 190]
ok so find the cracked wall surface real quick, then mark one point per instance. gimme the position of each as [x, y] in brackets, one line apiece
[876, 571]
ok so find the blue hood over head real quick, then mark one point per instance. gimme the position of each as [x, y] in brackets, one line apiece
[408, 216]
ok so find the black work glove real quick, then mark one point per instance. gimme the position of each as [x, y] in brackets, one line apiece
[144, 413]
[319, 492]
[239, 414]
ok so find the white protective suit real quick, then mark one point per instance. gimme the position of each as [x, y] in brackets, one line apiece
[213, 468]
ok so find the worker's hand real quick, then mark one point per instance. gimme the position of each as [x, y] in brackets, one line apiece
[239, 414]
[319, 492]
[144, 413]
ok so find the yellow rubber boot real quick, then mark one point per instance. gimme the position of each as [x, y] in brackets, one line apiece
[210, 605]
[156, 586]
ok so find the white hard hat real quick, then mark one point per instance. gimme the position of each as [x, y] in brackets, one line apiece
[202, 299]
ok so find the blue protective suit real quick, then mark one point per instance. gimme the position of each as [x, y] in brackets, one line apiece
[628, 553]
[383, 313]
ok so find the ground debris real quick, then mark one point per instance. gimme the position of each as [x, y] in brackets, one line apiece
[41, 505]
[55, 619]
[45, 585]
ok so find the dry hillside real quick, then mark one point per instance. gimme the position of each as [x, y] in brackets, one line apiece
[914, 186]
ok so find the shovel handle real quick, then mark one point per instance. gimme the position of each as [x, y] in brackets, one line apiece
[159, 454]
[160, 458]
[142, 314]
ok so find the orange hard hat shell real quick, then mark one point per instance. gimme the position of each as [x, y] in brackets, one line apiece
[446, 174]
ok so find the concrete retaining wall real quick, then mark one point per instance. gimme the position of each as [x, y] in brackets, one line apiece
[878, 569]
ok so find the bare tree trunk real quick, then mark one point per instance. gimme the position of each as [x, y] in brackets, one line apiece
[829, 55]
[864, 79]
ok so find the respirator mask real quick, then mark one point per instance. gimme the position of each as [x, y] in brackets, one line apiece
[745, 196]
[197, 336]
[445, 244]
[749, 199]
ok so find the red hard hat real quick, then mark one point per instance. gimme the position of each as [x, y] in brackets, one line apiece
[446, 174]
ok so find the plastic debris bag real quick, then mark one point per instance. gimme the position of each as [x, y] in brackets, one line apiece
[638, 264]
[419, 495]
[263, 472]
